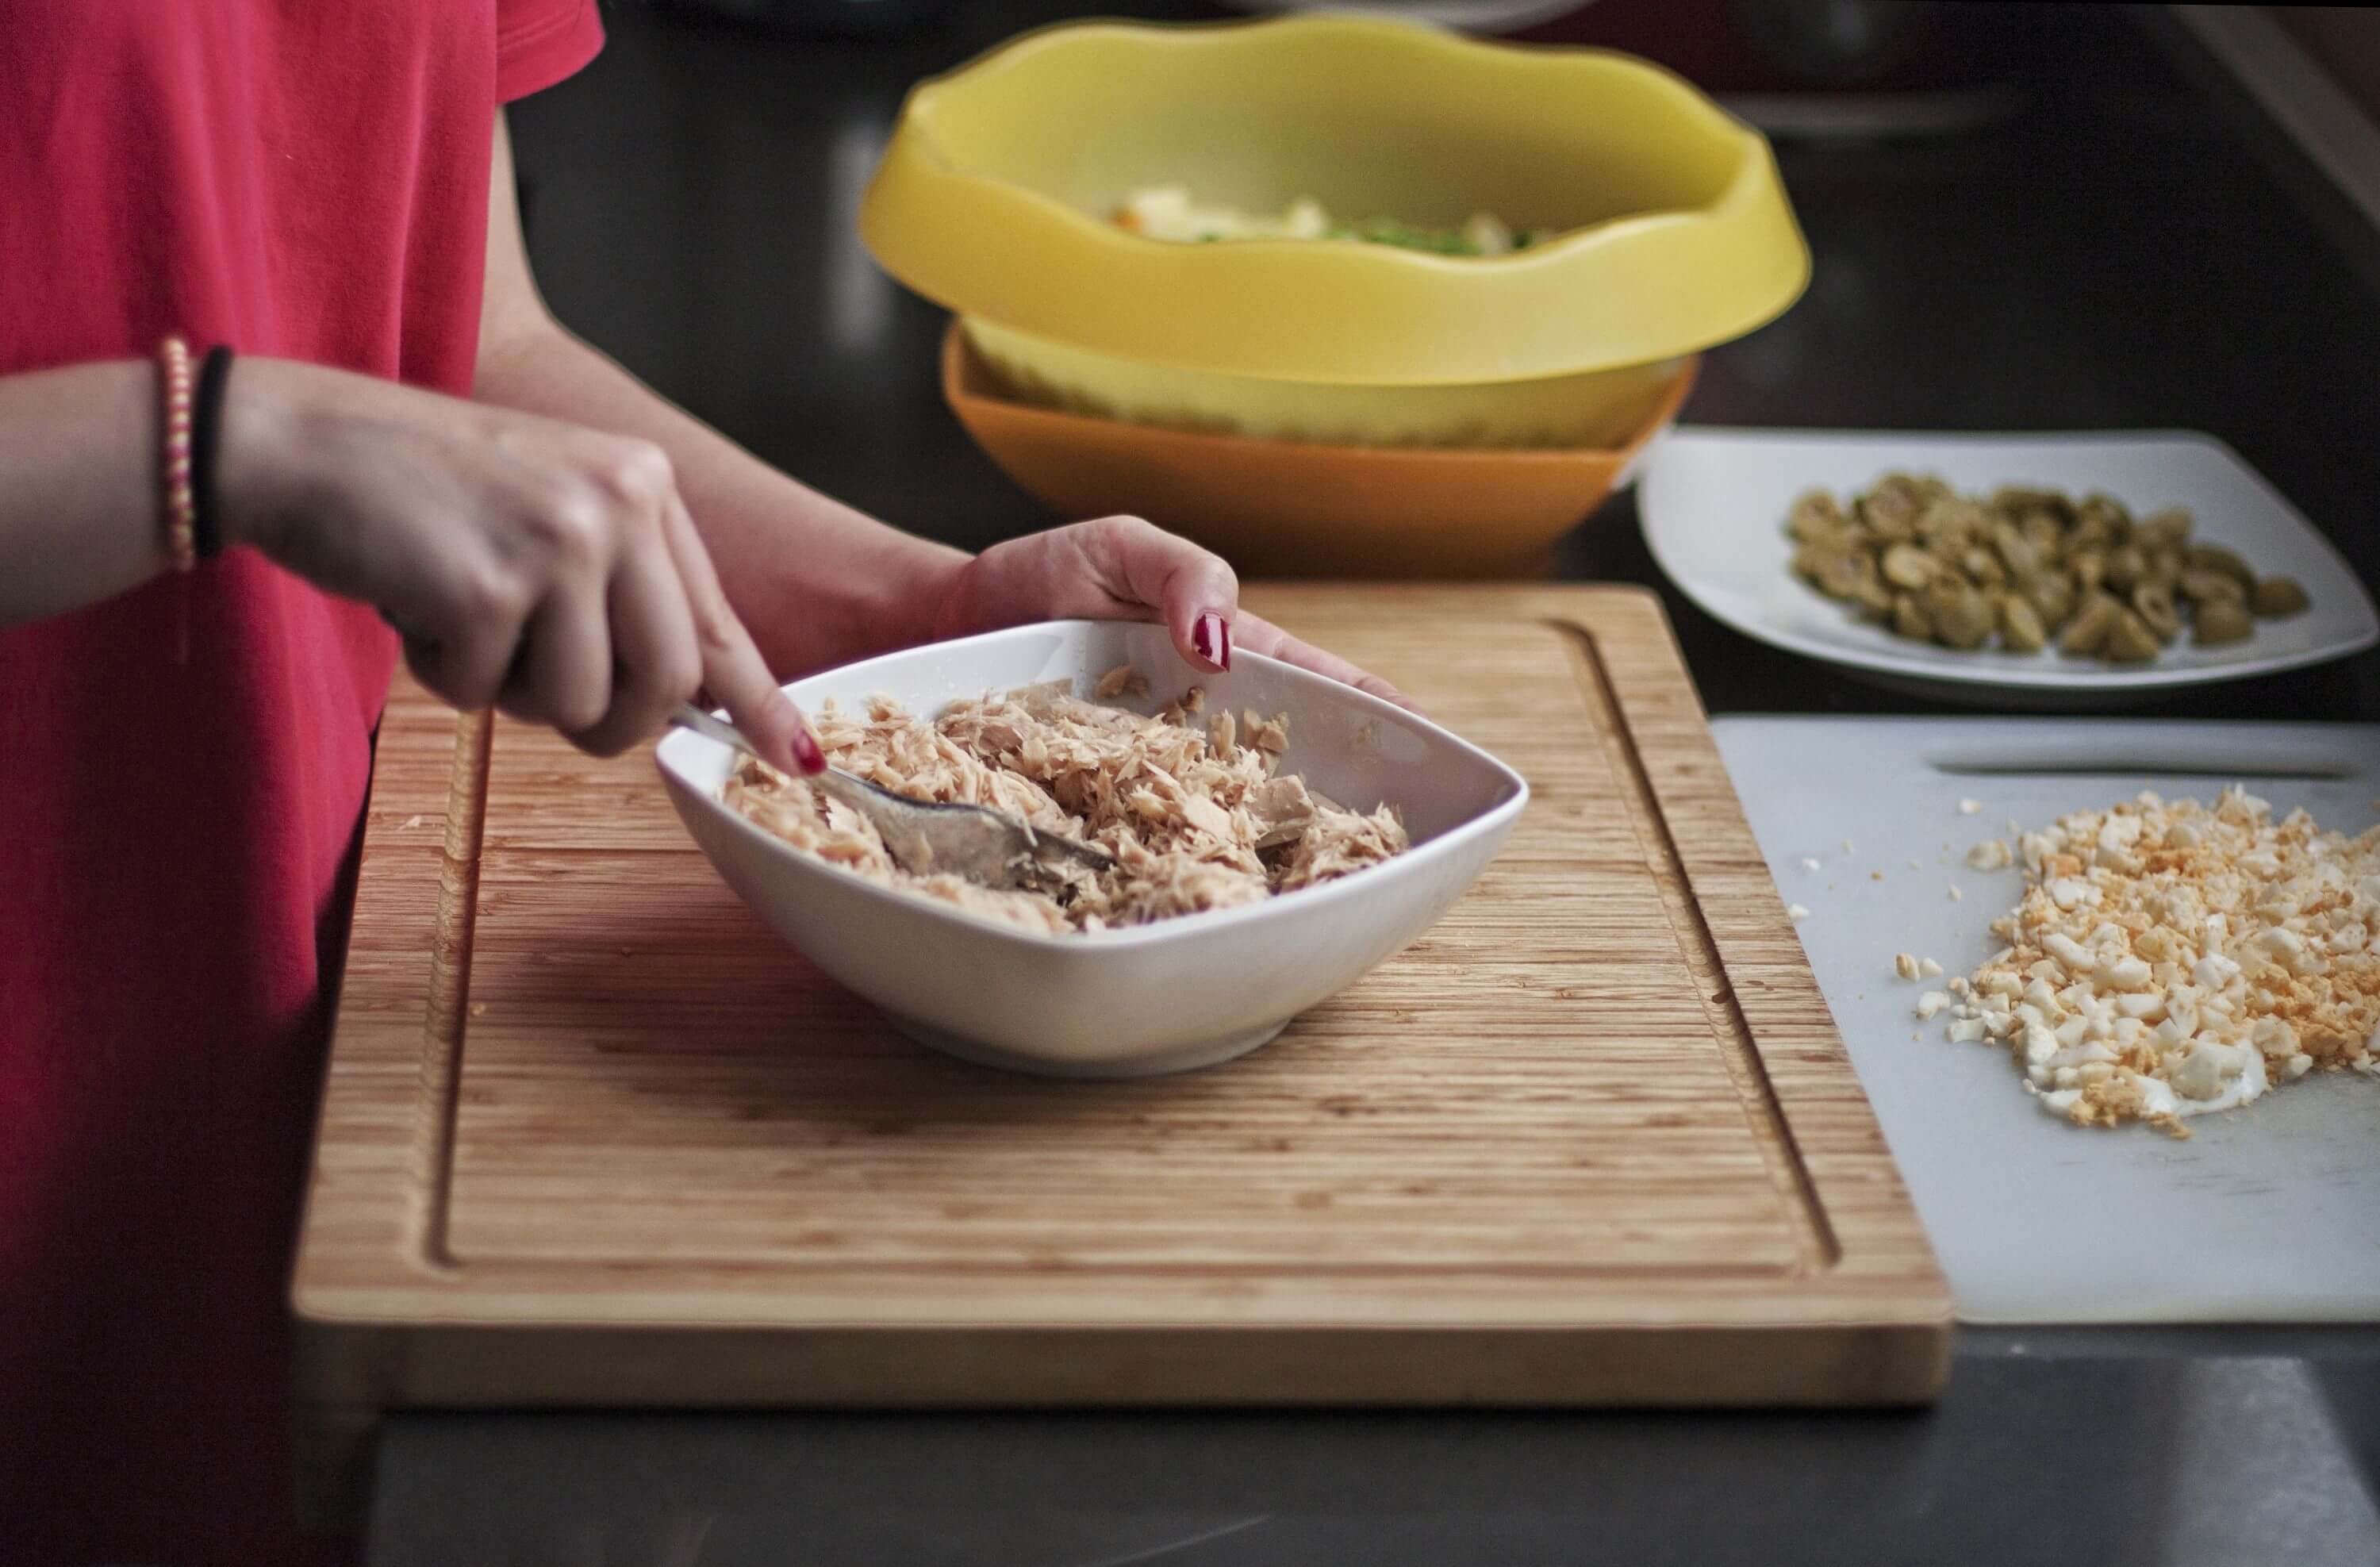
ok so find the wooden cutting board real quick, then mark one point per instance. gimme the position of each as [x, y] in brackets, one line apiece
[592, 1135]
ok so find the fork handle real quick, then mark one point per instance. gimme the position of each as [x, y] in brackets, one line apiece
[688, 716]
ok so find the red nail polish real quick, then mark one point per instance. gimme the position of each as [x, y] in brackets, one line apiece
[807, 752]
[1212, 639]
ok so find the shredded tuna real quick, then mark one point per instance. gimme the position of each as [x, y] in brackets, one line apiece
[1194, 808]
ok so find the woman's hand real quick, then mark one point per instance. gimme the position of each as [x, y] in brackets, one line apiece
[533, 566]
[1123, 568]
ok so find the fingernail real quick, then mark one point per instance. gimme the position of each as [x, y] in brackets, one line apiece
[806, 753]
[1211, 639]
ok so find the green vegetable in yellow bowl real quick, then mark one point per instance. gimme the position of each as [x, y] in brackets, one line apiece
[1657, 227]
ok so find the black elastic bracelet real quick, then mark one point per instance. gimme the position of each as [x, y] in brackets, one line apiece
[206, 420]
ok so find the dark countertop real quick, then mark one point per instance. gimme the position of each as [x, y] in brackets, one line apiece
[2115, 258]
[2186, 1461]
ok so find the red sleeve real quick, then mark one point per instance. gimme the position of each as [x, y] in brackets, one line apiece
[539, 42]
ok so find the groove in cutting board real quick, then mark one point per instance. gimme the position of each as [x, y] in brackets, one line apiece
[443, 1024]
[2223, 752]
[1816, 1236]
[591, 1133]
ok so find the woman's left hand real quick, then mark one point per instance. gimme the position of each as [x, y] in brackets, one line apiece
[1124, 569]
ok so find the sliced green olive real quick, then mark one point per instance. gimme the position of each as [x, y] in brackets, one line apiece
[2221, 621]
[1956, 520]
[1891, 508]
[1838, 575]
[2205, 587]
[1815, 516]
[2166, 529]
[2020, 628]
[2213, 557]
[2275, 596]
[1906, 566]
[2051, 503]
[2129, 641]
[1962, 617]
[2087, 632]
[2125, 566]
[2053, 599]
[1910, 619]
[2156, 608]
[2016, 552]
[2104, 511]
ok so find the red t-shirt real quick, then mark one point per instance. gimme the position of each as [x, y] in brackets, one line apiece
[299, 178]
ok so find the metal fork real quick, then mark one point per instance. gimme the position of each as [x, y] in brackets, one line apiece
[984, 845]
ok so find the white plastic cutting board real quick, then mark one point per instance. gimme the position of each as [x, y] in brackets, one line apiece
[2268, 1214]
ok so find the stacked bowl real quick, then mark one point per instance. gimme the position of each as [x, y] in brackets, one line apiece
[1328, 406]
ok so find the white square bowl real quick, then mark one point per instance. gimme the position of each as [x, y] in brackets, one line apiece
[1143, 999]
[1714, 503]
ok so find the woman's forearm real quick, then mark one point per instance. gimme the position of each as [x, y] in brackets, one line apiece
[815, 581]
[81, 516]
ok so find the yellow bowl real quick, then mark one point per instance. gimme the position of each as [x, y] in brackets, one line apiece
[1599, 408]
[1281, 508]
[994, 196]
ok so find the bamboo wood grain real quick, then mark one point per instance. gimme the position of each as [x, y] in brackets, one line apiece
[592, 1135]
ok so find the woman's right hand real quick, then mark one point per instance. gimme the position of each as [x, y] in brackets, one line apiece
[536, 566]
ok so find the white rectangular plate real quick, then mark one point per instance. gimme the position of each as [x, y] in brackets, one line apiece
[2270, 1213]
[1715, 501]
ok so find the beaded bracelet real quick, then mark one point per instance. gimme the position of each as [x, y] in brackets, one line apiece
[181, 525]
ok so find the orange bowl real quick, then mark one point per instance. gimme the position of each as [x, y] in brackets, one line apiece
[1288, 508]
